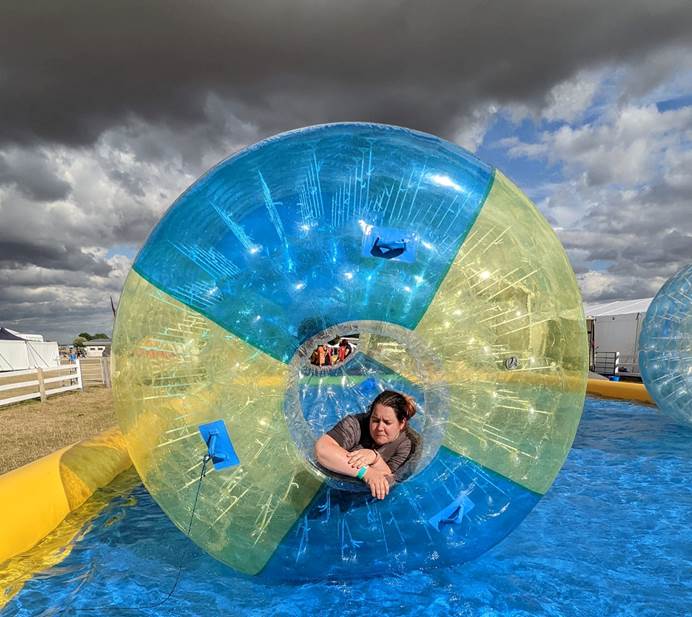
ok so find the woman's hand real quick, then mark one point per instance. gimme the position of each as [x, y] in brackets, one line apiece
[358, 458]
[378, 483]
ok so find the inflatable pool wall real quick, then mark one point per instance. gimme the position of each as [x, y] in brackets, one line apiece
[453, 288]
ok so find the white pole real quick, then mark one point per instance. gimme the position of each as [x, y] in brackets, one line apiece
[107, 371]
[41, 384]
[79, 374]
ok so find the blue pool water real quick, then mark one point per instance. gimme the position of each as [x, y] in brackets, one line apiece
[611, 537]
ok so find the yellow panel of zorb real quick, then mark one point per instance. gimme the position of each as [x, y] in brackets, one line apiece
[296, 281]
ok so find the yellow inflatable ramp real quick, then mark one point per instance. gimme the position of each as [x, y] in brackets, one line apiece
[37, 497]
[624, 390]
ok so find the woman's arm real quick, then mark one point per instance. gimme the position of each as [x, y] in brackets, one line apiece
[378, 476]
[331, 455]
[358, 458]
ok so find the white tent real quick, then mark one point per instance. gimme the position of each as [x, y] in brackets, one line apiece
[17, 353]
[27, 337]
[618, 307]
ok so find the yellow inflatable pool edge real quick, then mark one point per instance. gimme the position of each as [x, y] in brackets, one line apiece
[623, 390]
[38, 496]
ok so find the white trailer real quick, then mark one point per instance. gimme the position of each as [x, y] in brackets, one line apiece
[614, 329]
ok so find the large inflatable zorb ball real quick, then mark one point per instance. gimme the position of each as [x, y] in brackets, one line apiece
[447, 284]
[665, 347]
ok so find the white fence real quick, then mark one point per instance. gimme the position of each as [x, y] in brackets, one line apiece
[39, 383]
[96, 371]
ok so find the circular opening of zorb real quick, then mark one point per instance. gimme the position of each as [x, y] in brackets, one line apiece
[445, 283]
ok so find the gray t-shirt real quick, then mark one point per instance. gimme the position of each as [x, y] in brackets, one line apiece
[353, 433]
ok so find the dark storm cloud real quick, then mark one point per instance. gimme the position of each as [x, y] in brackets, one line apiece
[31, 174]
[70, 70]
[109, 109]
[34, 277]
[39, 316]
[51, 255]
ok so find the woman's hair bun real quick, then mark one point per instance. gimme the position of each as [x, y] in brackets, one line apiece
[410, 406]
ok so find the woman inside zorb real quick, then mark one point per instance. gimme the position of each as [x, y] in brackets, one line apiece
[371, 446]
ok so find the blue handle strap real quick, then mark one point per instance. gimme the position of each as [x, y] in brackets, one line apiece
[452, 514]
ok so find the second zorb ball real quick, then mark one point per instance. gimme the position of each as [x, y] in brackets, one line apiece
[665, 347]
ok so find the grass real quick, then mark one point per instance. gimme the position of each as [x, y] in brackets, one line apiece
[33, 429]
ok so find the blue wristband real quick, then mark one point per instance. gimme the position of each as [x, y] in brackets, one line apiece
[361, 472]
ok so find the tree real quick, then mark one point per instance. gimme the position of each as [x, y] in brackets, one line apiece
[79, 341]
[100, 335]
[85, 335]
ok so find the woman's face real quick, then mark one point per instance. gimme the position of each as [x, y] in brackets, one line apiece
[384, 426]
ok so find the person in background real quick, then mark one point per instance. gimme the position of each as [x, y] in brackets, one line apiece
[342, 349]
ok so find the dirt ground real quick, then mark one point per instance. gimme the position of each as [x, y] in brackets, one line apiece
[33, 429]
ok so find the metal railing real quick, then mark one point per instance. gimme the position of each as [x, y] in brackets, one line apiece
[609, 363]
[605, 362]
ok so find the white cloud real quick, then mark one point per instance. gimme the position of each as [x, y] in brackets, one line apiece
[678, 169]
[473, 127]
[570, 99]
[597, 286]
[622, 201]
[566, 203]
[626, 149]
[518, 149]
